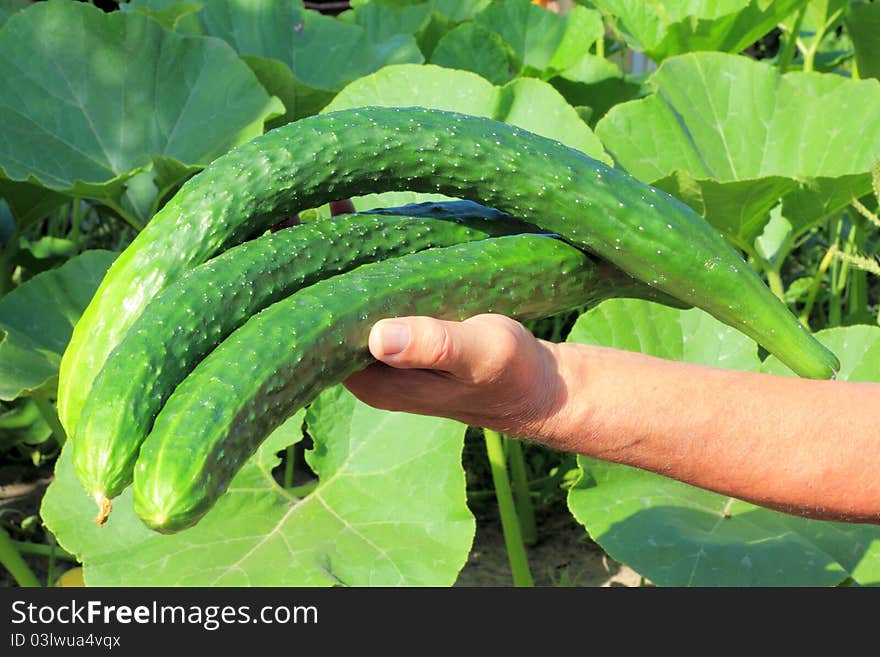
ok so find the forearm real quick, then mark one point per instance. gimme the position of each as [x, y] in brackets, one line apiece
[739, 433]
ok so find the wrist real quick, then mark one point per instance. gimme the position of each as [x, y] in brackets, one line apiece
[568, 422]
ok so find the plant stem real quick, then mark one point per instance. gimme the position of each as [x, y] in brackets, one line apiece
[50, 569]
[125, 216]
[521, 494]
[50, 415]
[857, 294]
[303, 489]
[516, 551]
[834, 301]
[817, 283]
[76, 221]
[43, 550]
[775, 281]
[788, 50]
[12, 561]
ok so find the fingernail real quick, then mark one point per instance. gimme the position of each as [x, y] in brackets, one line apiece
[394, 337]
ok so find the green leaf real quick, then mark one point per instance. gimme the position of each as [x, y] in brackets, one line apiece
[427, 21]
[527, 103]
[301, 56]
[44, 253]
[679, 535]
[524, 102]
[662, 28]
[471, 47]
[30, 203]
[389, 509]
[9, 7]
[773, 244]
[22, 423]
[37, 318]
[125, 92]
[690, 336]
[817, 32]
[544, 42]
[731, 137]
[863, 26]
[597, 83]
[168, 12]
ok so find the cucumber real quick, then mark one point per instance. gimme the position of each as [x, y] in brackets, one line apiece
[189, 317]
[304, 164]
[282, 357]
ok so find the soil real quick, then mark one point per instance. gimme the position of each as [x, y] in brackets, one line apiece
[21, 490]
[563, 555]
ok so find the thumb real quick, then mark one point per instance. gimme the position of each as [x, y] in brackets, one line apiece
[428, 343]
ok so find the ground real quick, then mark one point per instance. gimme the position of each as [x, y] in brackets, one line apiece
[563, 556]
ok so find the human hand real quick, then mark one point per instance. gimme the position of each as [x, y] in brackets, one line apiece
[486, 371]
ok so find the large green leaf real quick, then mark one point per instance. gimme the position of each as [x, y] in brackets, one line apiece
[678, 535]
[731, 137]
[37, 318]
[389, 509]
[662, 28]
[9, 7]
[472, 47]
[29, 203]
[863, 26]
[544, 42]
[91, 98]
[516, 37]
[428, 21]
[597, 83]
[301, 56]
[524, 102]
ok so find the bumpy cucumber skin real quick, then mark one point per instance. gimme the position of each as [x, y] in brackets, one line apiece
[282, 357]
[350, 152]
[188, 318]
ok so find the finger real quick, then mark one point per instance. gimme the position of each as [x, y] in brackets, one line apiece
[469, 350]
[414, 391]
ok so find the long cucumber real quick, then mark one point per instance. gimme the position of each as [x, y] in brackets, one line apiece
[282, 357]
[186, 320]
[647, 233]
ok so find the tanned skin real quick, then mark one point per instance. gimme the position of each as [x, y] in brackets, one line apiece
[806, 447]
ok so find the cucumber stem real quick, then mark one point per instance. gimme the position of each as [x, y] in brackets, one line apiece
[522, 496]
[105, 506]
[516, 551]
[12, 560]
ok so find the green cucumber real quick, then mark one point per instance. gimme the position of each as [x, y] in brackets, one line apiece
[304, 164]
[282, 357]
[189, 317]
